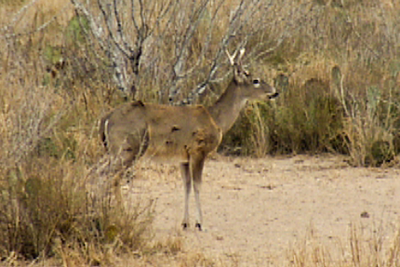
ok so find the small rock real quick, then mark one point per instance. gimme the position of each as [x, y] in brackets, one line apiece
[219, 238]
[364, 214]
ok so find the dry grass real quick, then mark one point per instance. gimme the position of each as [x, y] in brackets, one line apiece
[342, 71]
[340, 75]
[361, 249]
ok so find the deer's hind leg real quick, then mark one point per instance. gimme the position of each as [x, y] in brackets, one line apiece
[123, 156]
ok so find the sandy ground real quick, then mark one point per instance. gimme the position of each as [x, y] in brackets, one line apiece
[256, 211]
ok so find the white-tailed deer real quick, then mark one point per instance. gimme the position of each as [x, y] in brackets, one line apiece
[186, 134]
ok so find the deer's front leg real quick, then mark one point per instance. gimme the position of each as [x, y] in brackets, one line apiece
[187, 184]
[196, 169]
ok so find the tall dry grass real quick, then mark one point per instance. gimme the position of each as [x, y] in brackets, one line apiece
[339, 80]
[48, 143]
[337, 69]
[359, 248]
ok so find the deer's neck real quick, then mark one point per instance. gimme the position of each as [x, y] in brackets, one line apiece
[227, 108]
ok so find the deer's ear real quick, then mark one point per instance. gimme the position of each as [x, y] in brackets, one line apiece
[240, 75]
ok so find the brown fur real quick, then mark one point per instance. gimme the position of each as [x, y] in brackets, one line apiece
[156, 132]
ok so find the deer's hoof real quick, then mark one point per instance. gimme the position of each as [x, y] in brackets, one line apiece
[185, 226]
[198, 226]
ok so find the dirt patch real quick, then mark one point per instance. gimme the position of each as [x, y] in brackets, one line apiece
[256, 210]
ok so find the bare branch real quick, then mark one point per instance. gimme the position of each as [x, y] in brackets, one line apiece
[142, 16]
[96, 29]
[107, 21]
[180, 39]
[205, 47]
[192, 26]
[120, 28]
[133, 15]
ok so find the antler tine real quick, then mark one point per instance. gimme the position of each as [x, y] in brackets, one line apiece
[238, 60]
[231, 58]
[241, 53]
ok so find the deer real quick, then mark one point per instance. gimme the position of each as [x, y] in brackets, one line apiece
[184, 134]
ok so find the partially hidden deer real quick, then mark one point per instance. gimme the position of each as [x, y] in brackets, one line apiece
[184, 134]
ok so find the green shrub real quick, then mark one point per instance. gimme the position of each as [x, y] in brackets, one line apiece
[76, 30]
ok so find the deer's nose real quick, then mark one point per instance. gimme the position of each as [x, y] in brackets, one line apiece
[274, 95]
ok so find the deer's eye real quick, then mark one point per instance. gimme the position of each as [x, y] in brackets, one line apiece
[256, 81]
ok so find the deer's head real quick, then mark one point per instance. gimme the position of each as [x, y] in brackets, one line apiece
[252, 88]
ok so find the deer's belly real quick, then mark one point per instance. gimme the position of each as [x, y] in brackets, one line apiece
[168, 152]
